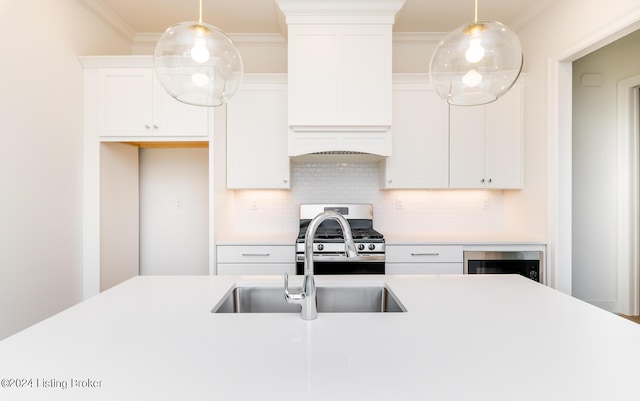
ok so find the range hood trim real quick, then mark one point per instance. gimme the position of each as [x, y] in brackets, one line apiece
[337, 157]
[325, 142]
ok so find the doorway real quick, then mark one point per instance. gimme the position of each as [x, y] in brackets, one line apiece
[604, 174]
[561, 172]
[629, 186]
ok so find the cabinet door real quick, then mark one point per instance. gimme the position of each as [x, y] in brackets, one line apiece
[467, 143]
[424, 253]
[133, 103]
[424, 259]
[255, 259]
[486, 143]
[420, 140]
[124, 104]
[174, 118]
[258, 254]
[257, 137]
[503, 141]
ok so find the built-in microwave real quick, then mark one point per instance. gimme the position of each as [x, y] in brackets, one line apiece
[525, 263]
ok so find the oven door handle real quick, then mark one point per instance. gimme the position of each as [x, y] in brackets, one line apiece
[343, 258]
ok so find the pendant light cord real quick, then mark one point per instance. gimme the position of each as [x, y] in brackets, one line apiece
[475, 15]
[200, 19]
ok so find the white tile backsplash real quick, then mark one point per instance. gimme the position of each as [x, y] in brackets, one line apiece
[406, 211]
[335, 183]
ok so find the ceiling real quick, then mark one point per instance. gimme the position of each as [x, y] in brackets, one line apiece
[264, 16]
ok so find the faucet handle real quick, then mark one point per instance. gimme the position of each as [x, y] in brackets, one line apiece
[292, 298]
[350, 249]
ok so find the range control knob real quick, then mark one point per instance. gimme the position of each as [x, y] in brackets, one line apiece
[533, 275]
[320, 247]
[361, 247]
[372, 247]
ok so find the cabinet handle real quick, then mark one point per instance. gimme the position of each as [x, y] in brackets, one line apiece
[490, 180]
[155, 126]
[285, 180]
[255, 254]
[147, 126]
[426, 254]
[482, 180]
[389, 181]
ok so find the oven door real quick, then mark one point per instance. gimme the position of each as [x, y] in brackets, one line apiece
[340, 264]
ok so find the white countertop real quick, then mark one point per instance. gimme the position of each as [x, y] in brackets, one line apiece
[494, 338]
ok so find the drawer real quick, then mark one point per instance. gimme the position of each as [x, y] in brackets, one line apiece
[423, 253]
[256, 254]
[256, 268]
[424, 268]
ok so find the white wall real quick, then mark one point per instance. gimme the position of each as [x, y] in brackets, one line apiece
[41, 154]
[119, 213]
[595, 169]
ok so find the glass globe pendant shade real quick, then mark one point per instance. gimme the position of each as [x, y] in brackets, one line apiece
[476, 64]
[198, 64]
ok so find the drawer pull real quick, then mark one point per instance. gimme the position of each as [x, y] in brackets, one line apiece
[256, 254]
[426, 254]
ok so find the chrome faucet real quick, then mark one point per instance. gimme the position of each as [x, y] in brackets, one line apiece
[307, 298]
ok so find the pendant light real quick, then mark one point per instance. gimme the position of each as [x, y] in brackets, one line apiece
[477, 63]
[197, 63]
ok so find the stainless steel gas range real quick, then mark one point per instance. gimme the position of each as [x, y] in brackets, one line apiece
[329, 254]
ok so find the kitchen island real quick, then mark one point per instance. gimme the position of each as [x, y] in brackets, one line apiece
[495, 337]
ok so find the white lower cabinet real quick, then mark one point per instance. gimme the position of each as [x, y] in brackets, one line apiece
[424, 259]
[256, 259]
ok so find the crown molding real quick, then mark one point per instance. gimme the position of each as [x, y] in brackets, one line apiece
[144, 43]
[145, 61]
[418, 37]
[264, 39]
[107, 15]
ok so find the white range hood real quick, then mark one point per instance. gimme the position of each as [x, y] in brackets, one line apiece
[340, 70]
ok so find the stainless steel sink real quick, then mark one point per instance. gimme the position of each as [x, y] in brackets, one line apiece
[345, 299]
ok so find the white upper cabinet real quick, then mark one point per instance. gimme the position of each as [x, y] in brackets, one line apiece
[420, 158]
[257, 134]
[132, 103]
[486, 143]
